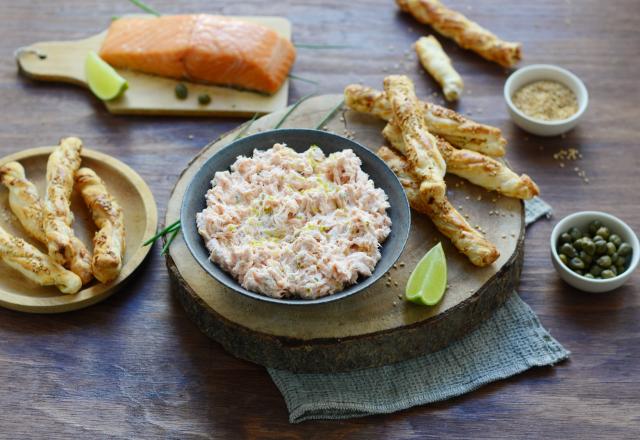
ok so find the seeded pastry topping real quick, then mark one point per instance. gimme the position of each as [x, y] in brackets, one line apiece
[546, 100]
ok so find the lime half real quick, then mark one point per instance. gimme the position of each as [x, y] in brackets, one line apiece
[428, 281]
[103, 80]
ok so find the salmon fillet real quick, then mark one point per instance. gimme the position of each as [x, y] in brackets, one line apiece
[201, 48]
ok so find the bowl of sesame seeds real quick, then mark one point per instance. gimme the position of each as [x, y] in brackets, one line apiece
[545, 100]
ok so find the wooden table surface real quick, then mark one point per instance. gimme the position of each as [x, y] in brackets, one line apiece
[134, 366]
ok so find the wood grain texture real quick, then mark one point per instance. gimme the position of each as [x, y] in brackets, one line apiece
[135, 366]
[372, 328]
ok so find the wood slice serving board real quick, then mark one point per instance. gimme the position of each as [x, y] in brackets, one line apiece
[63, 61]
[375, 327]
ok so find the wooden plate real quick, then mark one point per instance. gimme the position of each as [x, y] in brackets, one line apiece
[376, 327]
[141, 220]
[149, 94]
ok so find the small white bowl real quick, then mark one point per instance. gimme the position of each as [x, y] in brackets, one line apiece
[582, 220]
[538, 72]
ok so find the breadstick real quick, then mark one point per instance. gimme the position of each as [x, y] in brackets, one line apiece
[468, 34]
[24, 200]
[437, 63]
[421, 147]
[63, 246]
[474, 167]
[454, 127]
[35, 265]
[109, 241]
[447, 220]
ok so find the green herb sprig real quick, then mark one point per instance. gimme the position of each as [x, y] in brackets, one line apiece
[330, 115]
[145, 7]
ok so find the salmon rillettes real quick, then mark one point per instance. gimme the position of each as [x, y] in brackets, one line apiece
[288, 224]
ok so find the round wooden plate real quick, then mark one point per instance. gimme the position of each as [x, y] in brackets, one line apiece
[376, 327]
[141, 221]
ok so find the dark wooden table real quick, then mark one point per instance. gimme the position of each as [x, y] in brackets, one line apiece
[134, 366]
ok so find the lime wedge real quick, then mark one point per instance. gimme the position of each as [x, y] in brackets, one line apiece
[103, 80]
[428, 281]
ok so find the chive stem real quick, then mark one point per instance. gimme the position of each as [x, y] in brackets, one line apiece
[159, 234]
[330, 115]
[165, 248]
[299, 78]
[244, 130]
[291, 110]
[145, 7]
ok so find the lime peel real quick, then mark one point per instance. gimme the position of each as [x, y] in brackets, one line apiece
[428, 281]
[103, 80]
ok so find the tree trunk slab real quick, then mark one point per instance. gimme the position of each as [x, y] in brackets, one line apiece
[375, 327]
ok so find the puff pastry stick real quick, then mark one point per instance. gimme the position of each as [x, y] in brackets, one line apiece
[63, 246]
[447, 220]
[24, 199]
[109, 241]
[454, 127]
[468, 34]
[421, 147]
[438, 64]
[35, 265]
[475, 167]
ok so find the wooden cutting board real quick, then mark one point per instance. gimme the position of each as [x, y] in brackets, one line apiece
[372, 328]
[63, 61]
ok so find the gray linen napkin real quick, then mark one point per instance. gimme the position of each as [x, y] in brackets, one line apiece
[512, 341]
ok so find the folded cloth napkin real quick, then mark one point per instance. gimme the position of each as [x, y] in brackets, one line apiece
[510, 342]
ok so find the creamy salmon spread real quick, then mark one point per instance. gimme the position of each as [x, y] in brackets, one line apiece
[289, 224]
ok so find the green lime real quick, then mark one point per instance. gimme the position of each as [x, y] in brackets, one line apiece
[103, 80]
[428, 281]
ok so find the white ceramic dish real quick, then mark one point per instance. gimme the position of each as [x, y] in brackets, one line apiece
[538, 72]
[581, 220]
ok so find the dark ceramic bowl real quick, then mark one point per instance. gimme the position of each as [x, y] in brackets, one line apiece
[300, 140]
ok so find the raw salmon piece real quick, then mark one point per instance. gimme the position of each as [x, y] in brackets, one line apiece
[151, 45]
[202, 48]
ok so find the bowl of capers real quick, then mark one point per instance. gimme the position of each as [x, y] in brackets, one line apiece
[594, 251]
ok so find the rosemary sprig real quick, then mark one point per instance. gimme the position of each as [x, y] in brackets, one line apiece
[299, 78]
[323, 46]
[145, 7]
[330, 115]
[291, 110]
[172, 227]
[244, 130]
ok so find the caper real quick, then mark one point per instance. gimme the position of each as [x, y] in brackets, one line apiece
[603, 232]
[204, 99]
[575, 233]
[588, 275]
[565, 238]
[563, 258]
[607, 274]
[595, 270]
[625, 249]
[594, 226]
[576, 264]
[604, 261]
[601, 246]
[615, 239]
[614, 257]
[181, 91]
[586, 258]
[568, 250]
[578, 244]
[620, 263]
[611, 248]
[579, 272]
[588, 246]
[614, 270]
